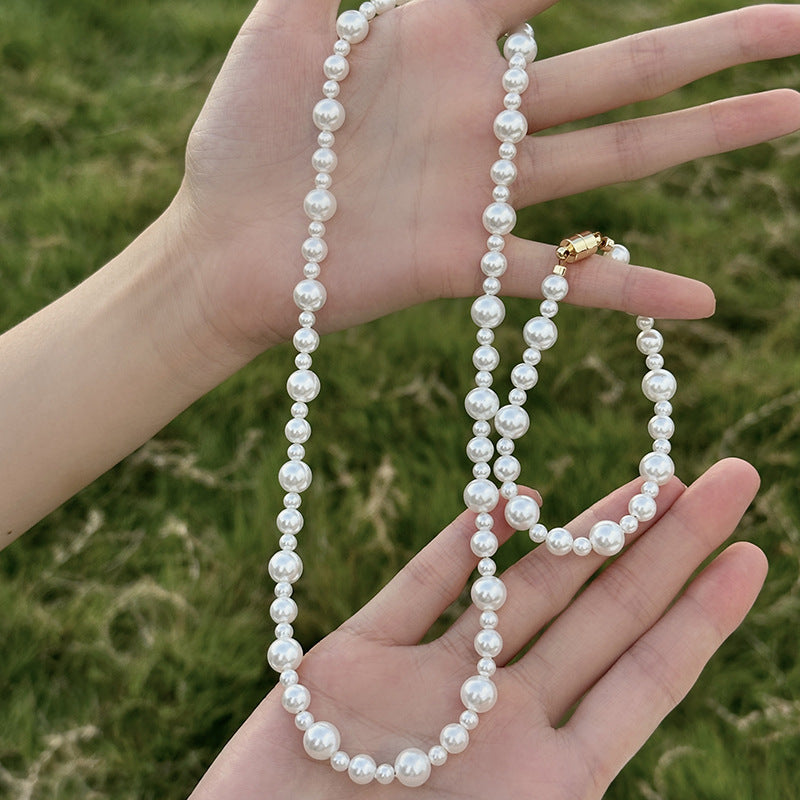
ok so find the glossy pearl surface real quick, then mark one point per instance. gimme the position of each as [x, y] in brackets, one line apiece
[540, 332]
[488, 593]
[412, 767]
[657, 467]
[521, 512]
[607, 537]
[478, 694]
[361, 769]
[454, 738]
[321, 740]
[659, 384]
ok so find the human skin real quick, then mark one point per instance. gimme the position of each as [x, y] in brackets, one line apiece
[205, 289]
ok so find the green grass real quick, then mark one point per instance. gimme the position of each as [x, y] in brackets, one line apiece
[134, 621]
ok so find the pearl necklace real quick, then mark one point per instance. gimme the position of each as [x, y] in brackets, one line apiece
[321, 740]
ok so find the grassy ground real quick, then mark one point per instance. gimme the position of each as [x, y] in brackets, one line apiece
[133, 619]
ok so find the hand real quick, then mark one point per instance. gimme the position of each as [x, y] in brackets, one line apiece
[415, 152]
[620, 650]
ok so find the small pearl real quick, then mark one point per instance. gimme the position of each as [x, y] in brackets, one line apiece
[517, 397]
[283, 589]
[488, 643]
[361, 769]
[483, 544]
[368, 9]
[314, 249]
[469, 719]
[515, 80]
[316, 228]
[581, 546]
[412, 767]
[342, 48]
[486, 667]
[642, 507]
[324, 160]
[507, 151]
[295, 698]
[336, 67]
[479, 694]
[524, 376]
[481, 428]
[488, 593]
[620, 253]
[485, 357]
[323, 181]
[491, 286]
[629, 524]
[517, 61]
[520, 43]
[483, 379]
[484, 521]
[331, 89]
[503, 172]
[326, 139]
[650, 488]
[329, 114]
[288, 542]
[296, 452]
[384, 774]
[506, 468]
[480, 449]
[559, 541]
[509, 490]
[321, 740]
[288, 677]
[382, 6]
[662, 446]
[454, 738]
[501, 194]
[649, 342]
[538, 533]
[311, 270]
[488, 619]
[644, 323]
[607, 538]
[481, 470]
[663, 408]
[532, 356]
[486, 566]
[548, 308]
[290, 520]
[505, 447]
[307, 319]
[512, 101]
[661, 427]
[340, 761]
[283, 609]
[304, 720]
[484, 336]
[437, 755]
[654, 361]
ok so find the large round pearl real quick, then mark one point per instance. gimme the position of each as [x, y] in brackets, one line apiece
[659, 384]
[504, 172]
[515, 80]
[295, 698]
[290, 520]
[657, 467]
[478, 693]
[482, 403]
[607, 537]
[481, 495]
[285, 566]
[520, 43]
[559, 541]
[361, 768]
[494, 264]
[303, 385]
[412, 767]
[454, 738]
[485, 357]
[283, 609]
[521, 512]
[642, 507]
[483, 544]
[297, 431]
[310, 295]
[320, 205]
[555, 287]
[352, 26]
[512, 421]
[480, 449]
[329, 114]
[321, 740]
[649, 342]
[294, 476]
[524, 376]
[488, 643]
[499, 218]
[506, 468]
[510, 126]
[488, 311]
[540, 332]
[488, 593]
[285, 654]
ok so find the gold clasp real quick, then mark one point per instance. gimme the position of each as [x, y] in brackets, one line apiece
[580, 246]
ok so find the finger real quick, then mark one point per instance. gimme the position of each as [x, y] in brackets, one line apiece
[630, 596]
[413, 600]
[646, 65]
[600, 282]
[654, 675]
[565, 164]
[541, 585]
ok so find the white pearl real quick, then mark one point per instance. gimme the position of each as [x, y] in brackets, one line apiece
[662, 446]
[532, 356]
[512, 421]
[297, 430]
[361, 769]
[503, 172]
[505, 447]
[659, 384]
[629, 524]
[314, 249]
[295, 698]
[323, 181]
[620, 253]
[491, 286]
[437, 755]
[295, 476]
[352, 26]
[342, 48]
[290, 520]
[644, 323]
[517, 61]
[368, 9]
[485, 357]
[487, 567]
[336, 67]
[307, 319]
[581, 546]
[555, 287]
[469, 719]
[486, 667]
[412, 767]
[510, 126]
[520, 43]
[481, 427]
[506, 468]
[481, 470]
[507, 151]
[607, 537]
[661, 427]
[499, 218]
[324, 160]
[340, 761]
[288, 542]
[483, 379]
[283, 609]
[657, 467]
[454, 738]
[494, 264]
[548, 308]
[484, 521]
[384, 774]
[283, 630]
[654, 361]
[283, 589]
[488, 643]
[515, 80]
[517, 397]
[649, 342]
[326, 139]
[329, 114]
[512, 101]
[310, 295]
[292, 499]
[538, 533]
[288, 677]
[488, 593]
[488, 619]
[304, 720]
[521, 513]
[382, 6]
[331, 88]
[663, 408]
[650, 488]
[320, 204]
[484, 336]
[478, 693]
[508, 490]
[483, 544]
[540, 332]
[559, 541]
[321, 740]
[481, 495]
[316, 228]
[488, 311]
[642, 507]
[303, 385]
[284, 654]
[480, 449]
[501, 194]
[482, 404]
[285, 567]
[302, 361]
[524, 376]
[496, 243]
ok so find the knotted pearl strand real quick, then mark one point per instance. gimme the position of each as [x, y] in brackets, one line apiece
[322, 740]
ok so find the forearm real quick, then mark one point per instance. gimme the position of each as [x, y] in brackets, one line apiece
[92, 376]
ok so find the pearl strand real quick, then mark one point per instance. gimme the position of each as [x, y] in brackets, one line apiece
[321, 740]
